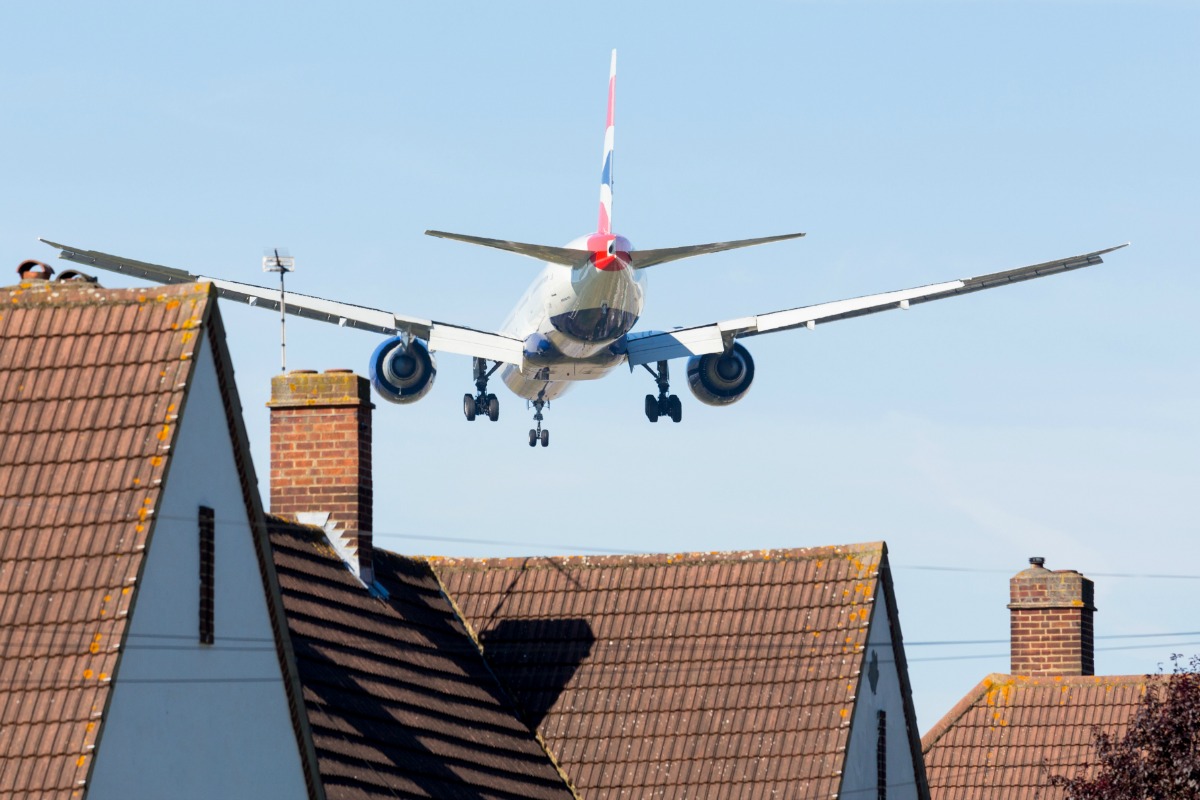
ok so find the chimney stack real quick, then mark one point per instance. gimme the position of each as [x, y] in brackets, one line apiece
[1051, 614]
[321, 456]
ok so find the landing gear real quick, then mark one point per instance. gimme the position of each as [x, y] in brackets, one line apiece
[538, 434]
[666, 404]
[482, 403]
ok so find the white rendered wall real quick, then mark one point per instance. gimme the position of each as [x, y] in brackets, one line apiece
[859, 781]
[190, 720]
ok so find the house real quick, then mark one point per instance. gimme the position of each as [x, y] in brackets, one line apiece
[160, 635]
[149, 646]
[1010, 732]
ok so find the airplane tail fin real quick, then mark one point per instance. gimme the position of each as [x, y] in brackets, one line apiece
[604, 225]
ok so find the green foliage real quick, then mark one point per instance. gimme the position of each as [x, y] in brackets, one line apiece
[1158, 758]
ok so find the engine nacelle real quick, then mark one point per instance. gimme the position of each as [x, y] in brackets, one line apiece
[718, 379]
[400, 373]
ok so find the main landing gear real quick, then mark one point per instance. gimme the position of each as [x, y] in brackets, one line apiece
[482, 403]
[666, 404]
[538, 434]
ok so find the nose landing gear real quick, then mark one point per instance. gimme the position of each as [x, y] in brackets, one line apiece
[666, 404]
[538, 434]
[482, 403]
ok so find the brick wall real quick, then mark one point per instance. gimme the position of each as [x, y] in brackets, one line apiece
[321, 452]
[1051, 622]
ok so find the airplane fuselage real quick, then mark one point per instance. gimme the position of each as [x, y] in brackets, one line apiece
[570, 318]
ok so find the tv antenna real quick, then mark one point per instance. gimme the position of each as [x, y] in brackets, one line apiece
[277, 260]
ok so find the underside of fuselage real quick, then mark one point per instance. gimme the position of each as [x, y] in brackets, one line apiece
[571, 319]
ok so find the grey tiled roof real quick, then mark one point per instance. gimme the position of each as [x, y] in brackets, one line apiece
[398, 697]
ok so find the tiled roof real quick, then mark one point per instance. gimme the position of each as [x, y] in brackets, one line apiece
[91, 381]
[398, 697]
[1009, 733]
[696, 675]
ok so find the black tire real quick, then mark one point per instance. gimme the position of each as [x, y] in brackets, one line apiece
[533, 438]
[493, 407]
[674, 408]
[469, 407]
[652, 408]
[545, 437]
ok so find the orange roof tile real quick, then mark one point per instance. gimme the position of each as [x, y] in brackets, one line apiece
[706, 673]
[90, 383]
[1010, 733]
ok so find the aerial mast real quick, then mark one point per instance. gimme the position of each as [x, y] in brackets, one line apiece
[278, 260]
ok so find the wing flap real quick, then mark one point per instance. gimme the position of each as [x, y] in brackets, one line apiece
[649, 347]
[479, 344]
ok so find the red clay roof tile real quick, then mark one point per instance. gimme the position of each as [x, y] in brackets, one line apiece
[693, 675]
[82, 391]
[1009, 733]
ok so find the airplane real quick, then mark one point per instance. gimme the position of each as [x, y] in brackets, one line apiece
[576, 320]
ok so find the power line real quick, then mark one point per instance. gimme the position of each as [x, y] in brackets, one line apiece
[563, 548]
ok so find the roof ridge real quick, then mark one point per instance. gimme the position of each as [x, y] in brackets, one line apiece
[660, 559]
[1006, 680]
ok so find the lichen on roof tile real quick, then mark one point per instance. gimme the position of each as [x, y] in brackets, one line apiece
[81, 377]
[656, 674]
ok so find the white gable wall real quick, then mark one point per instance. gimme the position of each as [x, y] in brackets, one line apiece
[188, 720]
[859, 781]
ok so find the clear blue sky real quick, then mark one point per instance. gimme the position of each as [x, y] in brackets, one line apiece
[912, 142]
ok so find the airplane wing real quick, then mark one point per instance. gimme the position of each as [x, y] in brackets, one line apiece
[650, 346]
[441, 336]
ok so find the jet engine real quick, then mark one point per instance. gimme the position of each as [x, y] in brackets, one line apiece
[718, 379]
[402, 373]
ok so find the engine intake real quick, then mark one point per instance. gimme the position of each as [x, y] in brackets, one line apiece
[402, 373]
[718, 379]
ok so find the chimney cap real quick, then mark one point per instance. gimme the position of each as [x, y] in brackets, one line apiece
[1038, 561]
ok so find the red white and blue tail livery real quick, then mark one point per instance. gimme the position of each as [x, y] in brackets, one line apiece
[576, 321]
[604, 226]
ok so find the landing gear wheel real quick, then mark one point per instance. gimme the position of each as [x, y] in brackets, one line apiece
[493, 407]
[545, 438]
[652, 408]
[674, 408]
[469, 407]
[533, 437]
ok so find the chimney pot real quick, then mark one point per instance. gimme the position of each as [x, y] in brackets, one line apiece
[1038, 561]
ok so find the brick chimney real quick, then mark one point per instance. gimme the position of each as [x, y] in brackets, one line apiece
[1051, 613]
[321, 457]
